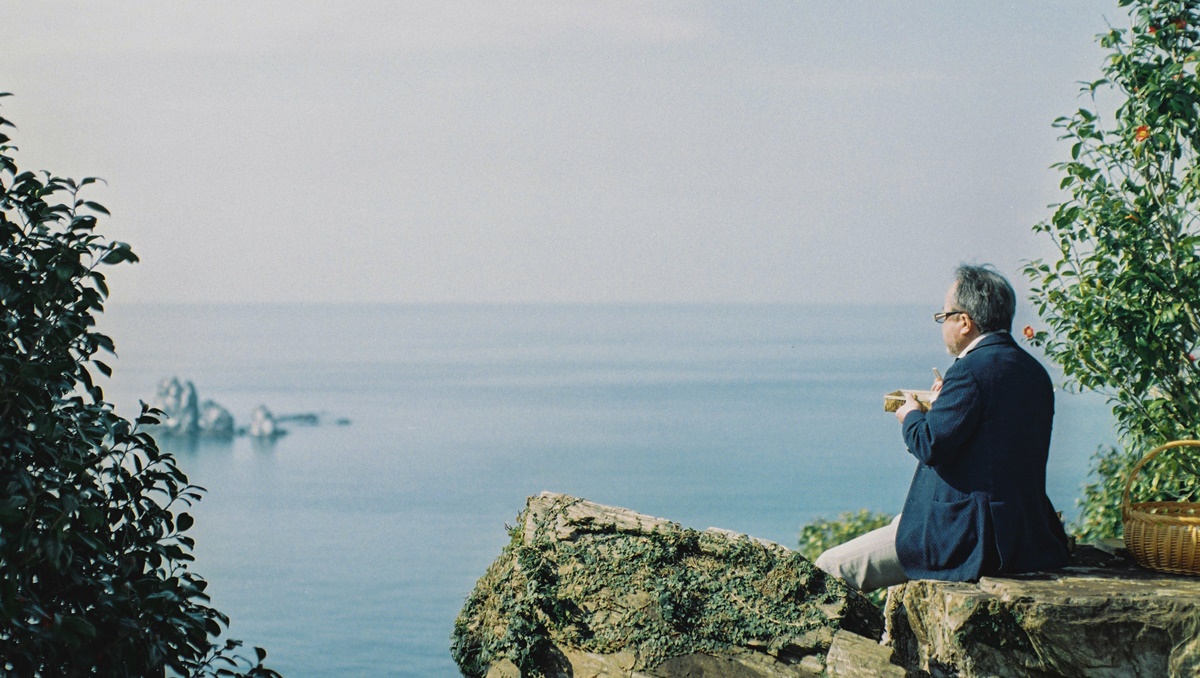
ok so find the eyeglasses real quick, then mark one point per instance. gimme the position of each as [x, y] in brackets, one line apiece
[940, 318]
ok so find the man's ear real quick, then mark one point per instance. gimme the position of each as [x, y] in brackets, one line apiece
[968, 325]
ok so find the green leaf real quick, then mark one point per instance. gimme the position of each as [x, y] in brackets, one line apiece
[96, 206]
[118, 254]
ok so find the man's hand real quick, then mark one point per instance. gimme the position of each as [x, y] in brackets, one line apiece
[910, 404]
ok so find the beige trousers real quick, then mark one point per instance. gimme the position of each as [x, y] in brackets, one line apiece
[868, 562]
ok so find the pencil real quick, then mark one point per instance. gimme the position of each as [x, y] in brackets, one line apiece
[937, 375]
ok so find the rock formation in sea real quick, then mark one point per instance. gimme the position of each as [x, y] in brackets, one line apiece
[263, 424]
[589, 590]
[215, 420]
[184, 415]
[181, 412]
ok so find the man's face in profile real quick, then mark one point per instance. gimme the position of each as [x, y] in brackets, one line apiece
[952, 329]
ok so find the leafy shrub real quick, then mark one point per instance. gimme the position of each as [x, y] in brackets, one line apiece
[1121, 299]
[94, 576]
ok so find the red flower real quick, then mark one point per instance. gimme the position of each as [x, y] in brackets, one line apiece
[1191, 358]
[1152, 30]
[1180, 23]
[1028, 332]
[1141, 133]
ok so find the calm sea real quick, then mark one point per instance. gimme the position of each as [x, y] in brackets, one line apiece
[348, 550]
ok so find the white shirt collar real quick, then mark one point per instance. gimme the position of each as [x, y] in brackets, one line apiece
[971, 345]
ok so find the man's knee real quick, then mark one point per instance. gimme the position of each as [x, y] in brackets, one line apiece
[823, 562]
[867, 562]
[834, 562]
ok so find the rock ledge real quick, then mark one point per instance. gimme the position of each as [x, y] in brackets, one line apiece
[586, 590]
[1101, 616]
[590, 590]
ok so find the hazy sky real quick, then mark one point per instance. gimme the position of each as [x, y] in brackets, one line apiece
[590, 151]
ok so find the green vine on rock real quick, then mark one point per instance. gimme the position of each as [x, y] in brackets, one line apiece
[656, 595]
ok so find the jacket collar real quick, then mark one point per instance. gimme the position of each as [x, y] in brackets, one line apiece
[989, 339]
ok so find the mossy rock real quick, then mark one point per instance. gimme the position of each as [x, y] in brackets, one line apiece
[581, 579]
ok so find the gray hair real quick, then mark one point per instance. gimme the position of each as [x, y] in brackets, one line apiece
[986, 296]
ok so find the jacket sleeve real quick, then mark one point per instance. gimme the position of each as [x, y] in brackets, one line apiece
[937, 436]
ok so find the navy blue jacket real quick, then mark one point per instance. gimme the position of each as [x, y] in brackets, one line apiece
[977, 504]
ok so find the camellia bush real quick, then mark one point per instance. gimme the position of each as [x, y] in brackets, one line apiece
[1121, 301]
[94, 557]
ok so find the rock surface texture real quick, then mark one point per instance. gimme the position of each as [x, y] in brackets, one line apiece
[585, 590]
[590, 590]
[1102, 616]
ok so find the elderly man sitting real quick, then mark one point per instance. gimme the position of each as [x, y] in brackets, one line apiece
[977, 504]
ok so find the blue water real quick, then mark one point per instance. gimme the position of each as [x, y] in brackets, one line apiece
[348, 550]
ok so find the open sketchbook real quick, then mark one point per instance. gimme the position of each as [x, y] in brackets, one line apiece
[892, 401]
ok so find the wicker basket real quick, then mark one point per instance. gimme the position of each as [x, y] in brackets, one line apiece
[1162, 535]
